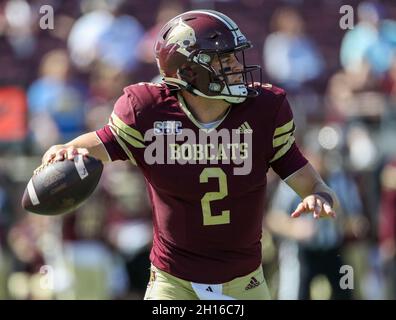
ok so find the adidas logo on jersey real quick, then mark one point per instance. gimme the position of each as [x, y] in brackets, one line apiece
[245, 128]
[253, 283]
[209, 289]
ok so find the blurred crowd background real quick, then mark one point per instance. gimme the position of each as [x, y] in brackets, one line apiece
[58, 83]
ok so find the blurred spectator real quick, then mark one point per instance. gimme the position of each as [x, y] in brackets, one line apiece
[354, 96]
[387, 226]
[107, 241]
[105, 83]
[290, 57]
[106, 34]
[389, 81]
[25, 240]
[56, 102]
[313, 247]
[19, 31]
[117, 44]
[84, 37]
[372, 41]
[367, 55]
[6, 220]
[129, 226]
[13, 116]
[166, 11]
[363, 153]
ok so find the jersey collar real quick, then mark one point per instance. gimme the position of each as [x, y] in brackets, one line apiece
[188, 113]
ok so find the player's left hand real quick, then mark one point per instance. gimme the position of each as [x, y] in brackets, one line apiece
[316, 204]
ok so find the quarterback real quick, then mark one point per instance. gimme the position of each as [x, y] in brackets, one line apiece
[207, 215]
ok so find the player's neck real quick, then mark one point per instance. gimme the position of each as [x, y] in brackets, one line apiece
[205, 110]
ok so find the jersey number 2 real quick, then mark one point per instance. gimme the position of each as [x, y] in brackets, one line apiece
[208, 218]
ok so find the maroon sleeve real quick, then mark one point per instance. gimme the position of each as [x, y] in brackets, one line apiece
[287, 157]
[109, 141]
[123, 109]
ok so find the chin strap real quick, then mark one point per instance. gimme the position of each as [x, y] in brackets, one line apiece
[184, 85]
[190, 89]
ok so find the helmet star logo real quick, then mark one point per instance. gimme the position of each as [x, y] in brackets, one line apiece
[182, 34]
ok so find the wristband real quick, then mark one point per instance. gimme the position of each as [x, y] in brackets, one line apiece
[326, 196]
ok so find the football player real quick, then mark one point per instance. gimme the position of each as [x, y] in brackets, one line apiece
[207, 216]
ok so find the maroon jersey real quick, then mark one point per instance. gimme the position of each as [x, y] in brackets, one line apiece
[207, 219]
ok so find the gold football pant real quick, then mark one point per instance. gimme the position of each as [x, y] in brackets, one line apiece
[163, 286]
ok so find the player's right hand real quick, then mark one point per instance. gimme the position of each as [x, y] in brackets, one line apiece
[62, 152]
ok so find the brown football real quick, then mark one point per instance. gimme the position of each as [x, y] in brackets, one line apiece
[62, 186]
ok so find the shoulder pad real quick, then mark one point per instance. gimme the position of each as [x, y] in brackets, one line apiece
[146, 94]
[270, 88]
